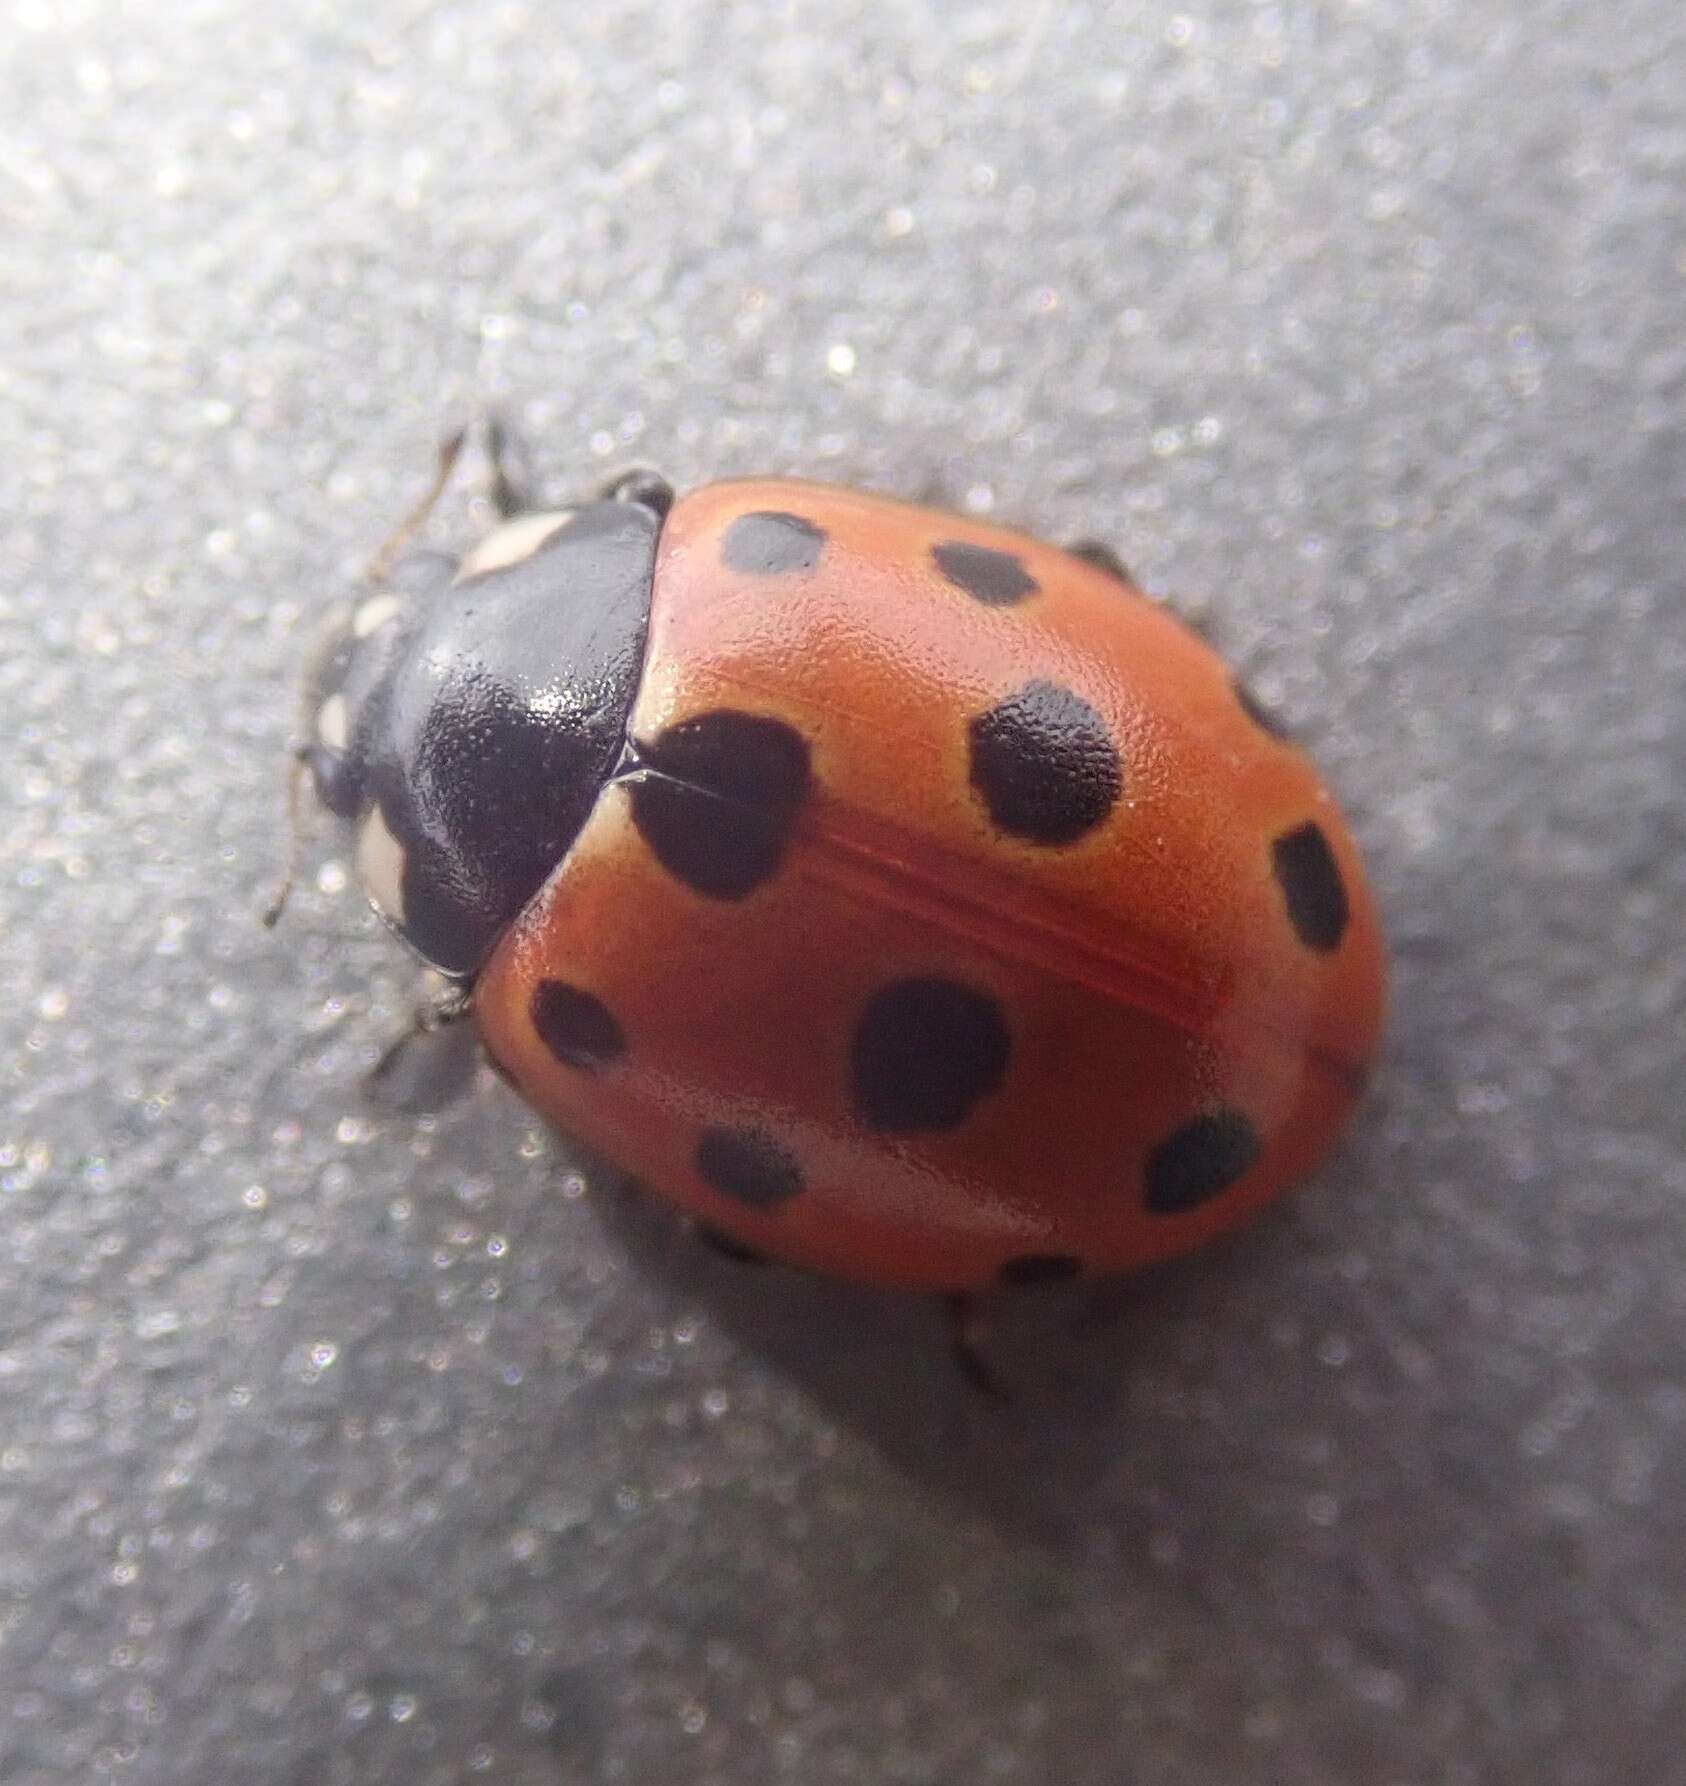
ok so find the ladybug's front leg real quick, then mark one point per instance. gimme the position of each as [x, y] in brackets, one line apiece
[448, 1003]
[638, 483]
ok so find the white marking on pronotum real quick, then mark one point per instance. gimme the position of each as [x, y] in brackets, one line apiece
[333, 723]
[373, 614]
[510, 543]
[380, 865]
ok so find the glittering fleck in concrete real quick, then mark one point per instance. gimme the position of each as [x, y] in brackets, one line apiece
[367, 1441]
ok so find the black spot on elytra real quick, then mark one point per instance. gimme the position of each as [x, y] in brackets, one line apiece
[749, 1165]
[1258, 712]
[576, 1026]
[1200, 1160]
[715, 798]
[1045, 764]
[728, 1246]
[1039, 1268]
[769, 543]
[998, 579]
[1311, 884]
[925, 1052]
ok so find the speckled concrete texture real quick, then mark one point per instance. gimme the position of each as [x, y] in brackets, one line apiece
[381, 1439]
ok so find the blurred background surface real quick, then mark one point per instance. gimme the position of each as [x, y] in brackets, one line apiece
[367, 1440]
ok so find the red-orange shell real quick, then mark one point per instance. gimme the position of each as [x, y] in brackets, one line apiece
[1159, 1017]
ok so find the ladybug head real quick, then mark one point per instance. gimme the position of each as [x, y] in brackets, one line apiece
[465, 716]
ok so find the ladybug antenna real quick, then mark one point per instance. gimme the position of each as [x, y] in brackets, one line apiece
[295, 842]
[450, 450]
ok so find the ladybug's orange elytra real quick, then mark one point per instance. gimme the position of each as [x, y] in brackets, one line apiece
[903, 897]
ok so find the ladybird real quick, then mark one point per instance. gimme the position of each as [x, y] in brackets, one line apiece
[903, 897]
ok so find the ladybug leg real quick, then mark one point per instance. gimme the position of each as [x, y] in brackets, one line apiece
[448, 1004]
[297, 764]
[969, 1327]
[1103, 558]
[380, 566]
[638, 483]
[718, 1241]
[511, 490]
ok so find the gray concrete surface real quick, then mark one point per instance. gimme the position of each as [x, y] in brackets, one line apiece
[352, 1440]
